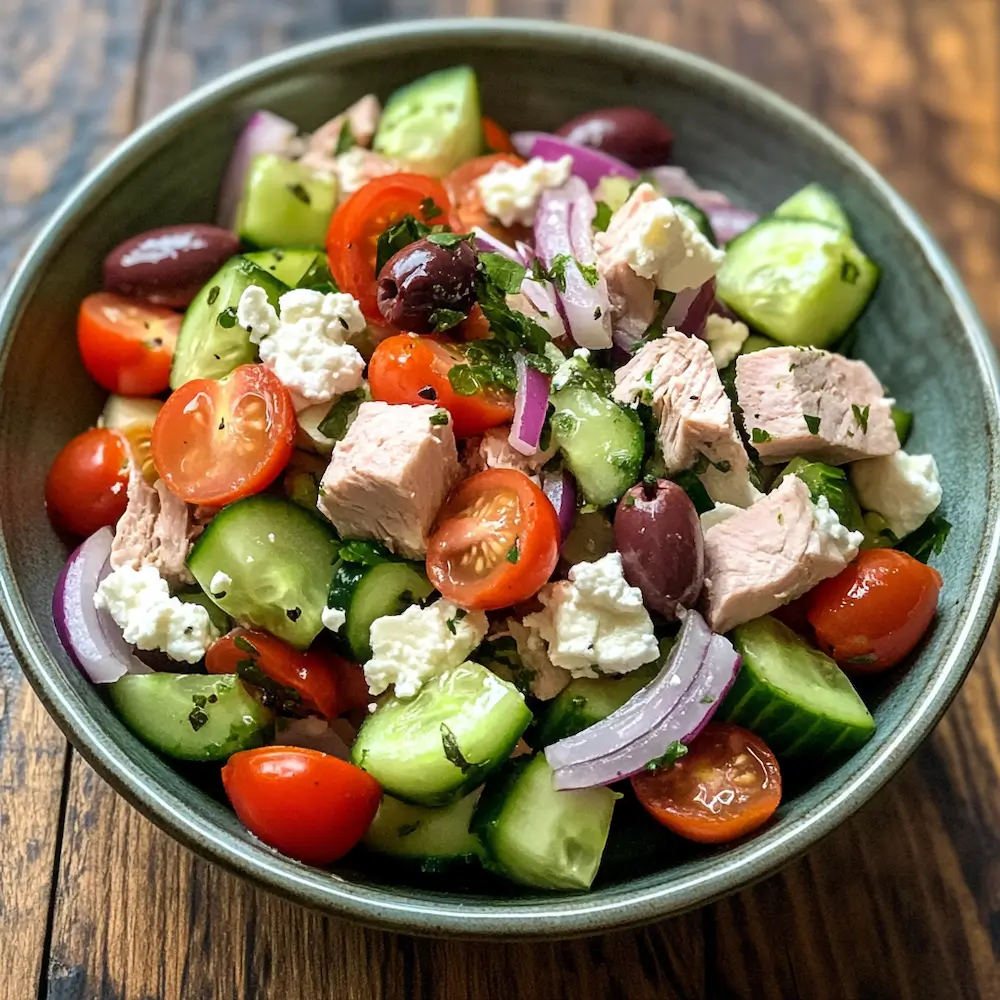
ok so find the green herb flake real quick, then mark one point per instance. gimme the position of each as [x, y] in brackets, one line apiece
[298, 191]
[439, 418]
[664, 300]
[673, 753]
[513, 554]
[197, 717]
[812, 423]
[446, 319]
[781, 517]
[629, 500]
[861, 415]
[506, 274]
[452, 751]
[227, 318]
[707, 699]
[407, 828]
[397, 237]
[602, 218]
[345, 140]
[213, 294]
[293, 614]
[928, 540]
[341, 414]
[759, 436]
[364, 553]
[430, 210]
[849, 272]
[588, 272]
[242, 643]
[448, 239]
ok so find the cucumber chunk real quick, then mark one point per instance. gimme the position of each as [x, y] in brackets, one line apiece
[537, 836]
[190, 716]
[279, 559]
[903, 421]
[296, 268]
[437, 746]
[830, 482]
[375, 592]
[211, 343]
[220, 619]
[801, 283]
[586, 701]
[816, 203]
[602, 442]
[433, 124]
[285, 204]
[792, 696]
[697, 216]
[755, 342]
[432, 839]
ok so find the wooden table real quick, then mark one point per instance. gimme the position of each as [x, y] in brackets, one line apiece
[903, 901]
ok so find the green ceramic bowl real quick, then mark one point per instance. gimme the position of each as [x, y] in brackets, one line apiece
[921, 334]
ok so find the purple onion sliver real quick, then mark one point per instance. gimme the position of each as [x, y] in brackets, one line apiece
[560, 488]
[488, 243]
[694, 320]
[728, 221]
[524, 142]
[531, 403]
[589, 164]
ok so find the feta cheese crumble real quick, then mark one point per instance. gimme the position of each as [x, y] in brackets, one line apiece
[658, 242]
[410, 648]
[829, 537]
[595, 621]
[308, 347]
[333, 618]
[903, 488]
[140, 603]
[219, 584]
[725, 338]
[510, 194]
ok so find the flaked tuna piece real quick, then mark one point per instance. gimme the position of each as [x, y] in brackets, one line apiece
[813, 403]
[493, 451]
[676, 375]
[771, 553]
[155, 530]
[321, 147]
[358, 166]
[389, 475]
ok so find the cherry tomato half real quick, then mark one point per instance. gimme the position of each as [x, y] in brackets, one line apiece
[414, 370]
[306, 804]
[467, 202]
[495, 543]
[352, 239]
[727, 785]
[127, 345]
[874, 612]
[214, 442]
[87, 484]
[309, 679]
[495, 137]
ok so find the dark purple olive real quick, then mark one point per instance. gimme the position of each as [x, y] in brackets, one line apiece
[425, 286]
[631, 134]
[169, 266]
[658, 534]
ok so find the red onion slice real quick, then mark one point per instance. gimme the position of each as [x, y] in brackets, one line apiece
[488, 243]
[690, 309]
[560, 488]
[265, 132]
[730, 221]
[312, 734]
[589, 164]
[531, 404]
[90, 636]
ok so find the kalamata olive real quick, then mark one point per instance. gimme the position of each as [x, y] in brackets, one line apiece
[169, 266]
[421, 281]
[658, 534]
[631, 134]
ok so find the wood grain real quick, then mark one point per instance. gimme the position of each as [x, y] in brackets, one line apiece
[902, 901]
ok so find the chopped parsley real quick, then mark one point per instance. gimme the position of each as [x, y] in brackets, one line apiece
[664, 300]
[451, 622]
[294, 614]
[448, 239]
[345, 140]
[213, 294]
[452, 751]
[198, 716]
[407, 828]
[439, 418]
[364, 553]
[671, 755]
[849, 272]
[861, 415]
[401, 234]
[812, 423]
[445, 319]
[602, 218]
[243, 644]
[341, 414]
[227, 318]
[430, 210]
[513, 554]
[298, 191]
[928, 540]
[759, 436]
[702, 462]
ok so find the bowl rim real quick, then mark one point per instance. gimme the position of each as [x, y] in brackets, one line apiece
[562, 916]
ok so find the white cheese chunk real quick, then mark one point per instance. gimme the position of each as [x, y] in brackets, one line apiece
[333, 619]
[829, 537]
[510, 194]
[219, 584]
[725, 338]
[904, 489]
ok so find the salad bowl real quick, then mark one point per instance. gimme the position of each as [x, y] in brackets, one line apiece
[921, 332]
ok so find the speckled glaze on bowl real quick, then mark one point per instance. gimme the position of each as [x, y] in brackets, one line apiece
[921, 334]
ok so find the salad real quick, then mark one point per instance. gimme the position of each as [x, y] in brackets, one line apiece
[462, 492]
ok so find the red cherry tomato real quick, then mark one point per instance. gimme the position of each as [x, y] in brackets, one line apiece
[496, 541]
[496, 138]
[871, 615]
[352, 239]
[306, 804]
[414, 370]
[727, 785]
[214, 442]
[467, 202]
[127, 345]
[87, 483]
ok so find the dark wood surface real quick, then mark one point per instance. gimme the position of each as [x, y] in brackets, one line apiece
[902, 901]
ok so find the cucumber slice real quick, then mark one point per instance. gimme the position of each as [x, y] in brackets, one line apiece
[220, 619]
[365, 593]
[697, 216]
[432, 839]
[279, 559]
[792, 696]
[602, 442]
[816, 203]
[296, 268]
[437, 746]
[802, 283]
[433, 124]
[537, 836]
[285, 204]
[190, 716]
[830, 482]
[755, 342]
[211, 343]
[585, 701]
[903, 421]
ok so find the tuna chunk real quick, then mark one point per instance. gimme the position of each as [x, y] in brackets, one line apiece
[155, 530]
[773, 552]
[321, 147]
[677, 376]
[493, 451]
[813, 403]
[389, 475]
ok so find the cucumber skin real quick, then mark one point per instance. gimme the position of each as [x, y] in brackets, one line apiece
[754, 704]
[816, 203]
[358, 634]
[296, 268]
